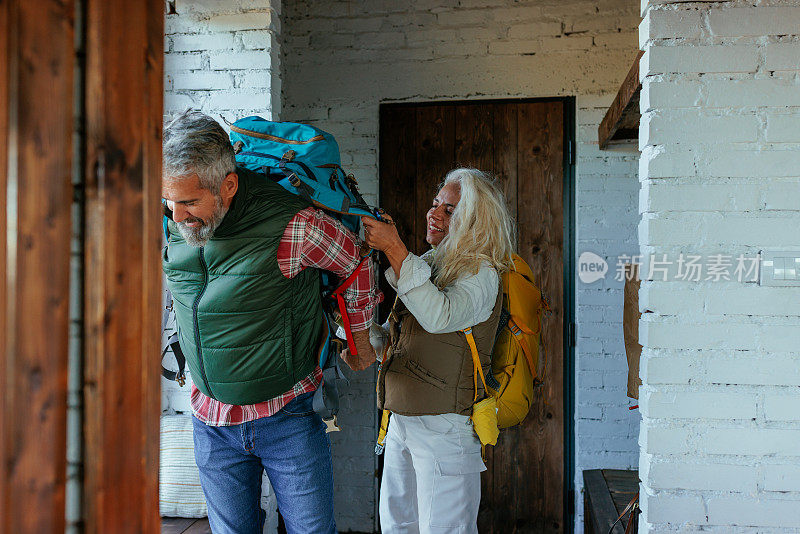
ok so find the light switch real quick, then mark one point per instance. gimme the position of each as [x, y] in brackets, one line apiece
[779, 268]
[789, 269]
[778, 272]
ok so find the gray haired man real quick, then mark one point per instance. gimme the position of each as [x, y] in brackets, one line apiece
[242, 263]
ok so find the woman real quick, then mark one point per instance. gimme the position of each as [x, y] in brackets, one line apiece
[432, 464]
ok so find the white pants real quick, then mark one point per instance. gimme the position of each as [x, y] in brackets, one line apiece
[431, 475]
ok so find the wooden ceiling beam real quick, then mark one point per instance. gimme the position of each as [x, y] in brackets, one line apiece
[622, 118]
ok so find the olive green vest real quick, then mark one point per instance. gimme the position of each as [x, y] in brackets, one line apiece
[248, 332]
[430, 374]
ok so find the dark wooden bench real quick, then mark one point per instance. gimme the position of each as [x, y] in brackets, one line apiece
[180, 525]
[606, 493]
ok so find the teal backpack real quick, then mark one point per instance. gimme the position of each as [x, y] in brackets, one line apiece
[304, 160]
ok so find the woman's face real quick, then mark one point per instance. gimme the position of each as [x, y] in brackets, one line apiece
[438, 217]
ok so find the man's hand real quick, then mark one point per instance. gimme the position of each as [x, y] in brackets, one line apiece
[366, 354]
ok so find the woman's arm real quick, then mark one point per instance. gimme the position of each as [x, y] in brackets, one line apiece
[466, 302]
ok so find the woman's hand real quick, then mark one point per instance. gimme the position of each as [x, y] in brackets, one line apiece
[383, 236]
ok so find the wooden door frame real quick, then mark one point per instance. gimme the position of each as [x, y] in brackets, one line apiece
[35, 163]
[122, 300]
[569, 322]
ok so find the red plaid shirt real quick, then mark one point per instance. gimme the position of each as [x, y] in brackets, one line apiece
[311, 239]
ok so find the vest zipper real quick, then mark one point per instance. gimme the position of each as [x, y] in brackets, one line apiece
[197, 327]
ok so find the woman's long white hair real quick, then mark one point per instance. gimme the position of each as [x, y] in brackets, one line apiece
[481, 229]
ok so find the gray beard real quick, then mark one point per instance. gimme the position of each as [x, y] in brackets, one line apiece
[198, 237]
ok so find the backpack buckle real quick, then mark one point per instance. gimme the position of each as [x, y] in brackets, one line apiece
[288, 155]
[331, 425]
[294, 180]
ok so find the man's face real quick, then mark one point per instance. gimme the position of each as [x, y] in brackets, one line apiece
[196, 211]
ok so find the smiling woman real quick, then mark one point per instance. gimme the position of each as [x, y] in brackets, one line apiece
[426, 379]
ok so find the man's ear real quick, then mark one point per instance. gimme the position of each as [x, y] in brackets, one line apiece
[229, 187]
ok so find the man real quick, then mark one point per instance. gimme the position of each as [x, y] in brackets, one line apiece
[249, 319]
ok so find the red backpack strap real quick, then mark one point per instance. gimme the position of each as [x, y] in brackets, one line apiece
[337, 294]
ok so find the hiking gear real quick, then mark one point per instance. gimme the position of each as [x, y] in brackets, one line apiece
[261, 331]
[173, 345]
[305, 160]
[431, 475]
[426, 373]
[515, 357]
[326, 396]
[291, 447]
[484, 413]
[178, 376]
[382, 430]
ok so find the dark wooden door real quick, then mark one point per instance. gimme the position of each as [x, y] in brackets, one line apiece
[522, 143]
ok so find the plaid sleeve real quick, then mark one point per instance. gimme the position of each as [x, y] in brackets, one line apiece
[314, 239]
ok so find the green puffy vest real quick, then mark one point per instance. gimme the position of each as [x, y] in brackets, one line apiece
[248, 332]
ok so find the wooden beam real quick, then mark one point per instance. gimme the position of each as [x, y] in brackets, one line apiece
[626, 101]
[36, 74]
[124, 69]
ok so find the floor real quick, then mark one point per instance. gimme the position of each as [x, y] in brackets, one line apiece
[180, 525]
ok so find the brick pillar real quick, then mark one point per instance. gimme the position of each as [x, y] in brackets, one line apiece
[720, 132]
[223, 58]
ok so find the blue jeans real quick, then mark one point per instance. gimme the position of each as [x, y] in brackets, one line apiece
[291, 446]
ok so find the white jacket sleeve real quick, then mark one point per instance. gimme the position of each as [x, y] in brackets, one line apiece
[466, 302]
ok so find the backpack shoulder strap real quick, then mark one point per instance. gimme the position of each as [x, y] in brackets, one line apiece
[517, 331]
[337, 294]
[476, 363]
[180, 375]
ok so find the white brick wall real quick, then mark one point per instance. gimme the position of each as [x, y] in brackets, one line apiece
[223, 58]
[720, 434]
[342, 59]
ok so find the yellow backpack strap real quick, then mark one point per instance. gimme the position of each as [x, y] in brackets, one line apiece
[476, 363]
[382, 432]
[517, 331]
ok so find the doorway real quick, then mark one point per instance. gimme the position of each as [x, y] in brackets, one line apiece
[526, 145]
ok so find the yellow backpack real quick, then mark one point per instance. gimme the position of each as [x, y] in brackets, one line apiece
[515, 357]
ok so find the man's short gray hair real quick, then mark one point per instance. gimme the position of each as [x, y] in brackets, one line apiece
[196, 143]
